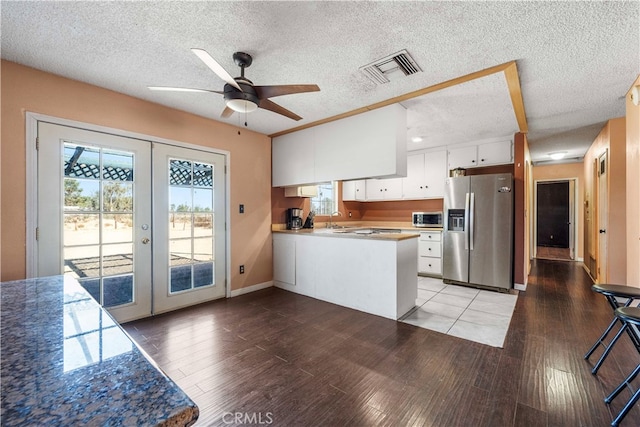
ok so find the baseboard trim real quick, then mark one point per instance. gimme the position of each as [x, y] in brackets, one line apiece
[252, 288]
[520, 286]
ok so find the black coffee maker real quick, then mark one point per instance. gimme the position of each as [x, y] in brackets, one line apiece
[294, 219]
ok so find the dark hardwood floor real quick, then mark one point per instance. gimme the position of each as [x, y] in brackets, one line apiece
[277, 358]
[547, 252]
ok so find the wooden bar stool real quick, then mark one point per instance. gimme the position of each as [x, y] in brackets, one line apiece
[611, 293]
[630, 318]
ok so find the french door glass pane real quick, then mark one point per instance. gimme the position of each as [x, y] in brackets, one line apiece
[191, 239]
[98, 221]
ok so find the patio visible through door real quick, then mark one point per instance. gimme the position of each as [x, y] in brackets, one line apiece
[111, 207]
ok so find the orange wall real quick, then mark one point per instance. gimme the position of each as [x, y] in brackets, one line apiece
[611, 138]
[633, 190]
[565, 172]
[29, 90]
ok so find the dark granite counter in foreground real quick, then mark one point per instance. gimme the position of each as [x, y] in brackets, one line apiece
[66, 362]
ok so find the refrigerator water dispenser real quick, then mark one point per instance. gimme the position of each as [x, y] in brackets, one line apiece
[456, 220]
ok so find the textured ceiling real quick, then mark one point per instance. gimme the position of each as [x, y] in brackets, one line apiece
[576, 60]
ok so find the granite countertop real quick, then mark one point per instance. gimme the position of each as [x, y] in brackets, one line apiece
[66, 362]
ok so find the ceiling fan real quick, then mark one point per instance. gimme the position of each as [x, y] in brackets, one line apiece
[239, 93]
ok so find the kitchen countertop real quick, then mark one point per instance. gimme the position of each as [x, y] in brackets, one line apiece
[358, 231]
[350, 233]
[66, 362]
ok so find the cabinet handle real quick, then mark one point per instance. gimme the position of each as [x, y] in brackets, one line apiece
[429, 249]
[473, 161]
[429, 265]
[421, 187]
[482, 160]
[426, 186]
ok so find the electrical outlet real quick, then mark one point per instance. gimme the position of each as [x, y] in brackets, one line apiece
[241, 208]
[242, 269]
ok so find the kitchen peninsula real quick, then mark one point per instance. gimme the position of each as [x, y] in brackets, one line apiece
[357, 268]
[66, 362]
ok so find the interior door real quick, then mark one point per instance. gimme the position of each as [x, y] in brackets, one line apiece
[189, 227]
[603, 218]
[94, 215]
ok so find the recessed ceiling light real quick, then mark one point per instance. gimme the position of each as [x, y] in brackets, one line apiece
[558, 155]
[416, 139]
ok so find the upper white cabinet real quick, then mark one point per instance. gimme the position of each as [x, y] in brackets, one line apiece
[495, 153]
[371, 144]
[292, 156]
[426, 174]
[384, 189]
[463, 157]
[470, 156]
[354, 190]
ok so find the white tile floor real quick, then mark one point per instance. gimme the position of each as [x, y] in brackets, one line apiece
[473, 314]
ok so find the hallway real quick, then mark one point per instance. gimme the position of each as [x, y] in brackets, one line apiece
[307, 362]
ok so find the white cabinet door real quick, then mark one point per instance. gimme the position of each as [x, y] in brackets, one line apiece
[384, 189]
[293, 161]
[426, 174]
[435, 174]
[495, 153]
[353, 190]
[284, 261]
[413, 184]
[361, 190]
[463, 157]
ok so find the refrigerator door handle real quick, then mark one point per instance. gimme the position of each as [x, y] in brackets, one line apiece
[472, 220]
[466, 222]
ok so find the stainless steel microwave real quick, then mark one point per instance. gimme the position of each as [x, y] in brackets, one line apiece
[427, 219]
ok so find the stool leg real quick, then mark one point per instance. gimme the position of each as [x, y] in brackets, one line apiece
[608, 349]
[622, 385]
[601, 339]
[626, 408]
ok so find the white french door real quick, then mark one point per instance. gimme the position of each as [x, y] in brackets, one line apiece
[139, 224]
[189, 227]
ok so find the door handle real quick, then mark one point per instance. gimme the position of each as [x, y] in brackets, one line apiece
[145, 240]
[602, 231]
[472, 220]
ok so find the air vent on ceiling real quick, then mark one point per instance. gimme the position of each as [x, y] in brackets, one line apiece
[383, 70]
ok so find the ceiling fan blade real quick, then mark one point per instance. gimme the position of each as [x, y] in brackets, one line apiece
[215, 67]
[182, 89]
[272, 106]
[227, 112]
[271, 91]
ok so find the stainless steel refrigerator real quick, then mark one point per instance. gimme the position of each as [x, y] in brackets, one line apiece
[478, 231]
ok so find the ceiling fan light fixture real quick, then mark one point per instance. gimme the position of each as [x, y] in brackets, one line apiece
[558, 155]
[241, 105]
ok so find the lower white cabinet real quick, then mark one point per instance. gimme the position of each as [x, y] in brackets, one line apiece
[284, 261]
[377, 276]
[430, 253]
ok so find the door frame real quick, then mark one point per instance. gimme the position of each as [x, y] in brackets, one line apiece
[31, 133]
[574, 219]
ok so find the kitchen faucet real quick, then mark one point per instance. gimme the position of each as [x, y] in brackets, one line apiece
[330, 225]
